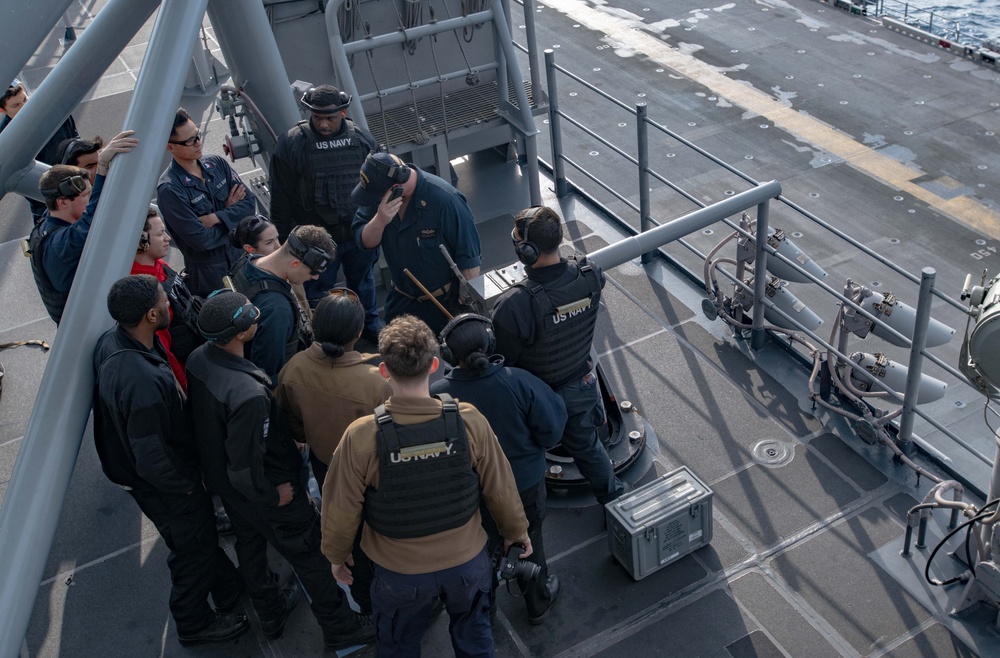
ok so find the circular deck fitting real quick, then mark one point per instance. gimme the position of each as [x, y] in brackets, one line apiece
[708, 231]
[980, 242]
[708, 308]
[798, 234]
[772, 453]
[875, 284]
[893, 240]
[960, 404]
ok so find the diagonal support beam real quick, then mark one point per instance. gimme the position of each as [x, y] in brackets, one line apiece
[68, 83]
[48, 454]
[23, 28]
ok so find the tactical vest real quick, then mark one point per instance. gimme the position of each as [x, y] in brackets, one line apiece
[332, 166]
[426, 481]
[185, 305]
[54, 301]
[564, 326]
[302, 335]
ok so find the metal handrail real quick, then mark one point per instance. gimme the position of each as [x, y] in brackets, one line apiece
[918, 351]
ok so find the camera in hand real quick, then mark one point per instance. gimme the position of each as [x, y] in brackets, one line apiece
[511, 566]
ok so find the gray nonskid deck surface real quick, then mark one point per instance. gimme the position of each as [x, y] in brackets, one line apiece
[802, 562]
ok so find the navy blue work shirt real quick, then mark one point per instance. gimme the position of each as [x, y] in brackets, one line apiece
[276, 324]
[64, 246]
[436, 214]
[184, 198]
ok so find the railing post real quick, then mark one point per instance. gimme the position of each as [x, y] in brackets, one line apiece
[757, 333]
[555, 132]
[915, 366]
[642, 135]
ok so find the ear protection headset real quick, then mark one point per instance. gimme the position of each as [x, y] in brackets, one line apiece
[343, 100]
[69, 187]
[446, 352]
[69, 154]
[313, 257]
[143, 243]
[244, 318]
[527, 252]
[398, 171]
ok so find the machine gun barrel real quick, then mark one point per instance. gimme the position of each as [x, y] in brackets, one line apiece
[634, 246]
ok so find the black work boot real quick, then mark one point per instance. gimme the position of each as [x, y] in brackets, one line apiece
[272, 620]
[221, 629]
[336, 638]
[539, 606]
[227, 602]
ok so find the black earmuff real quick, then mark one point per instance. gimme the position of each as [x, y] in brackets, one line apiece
[398, 171]
[69, 154]
[446, 352]
[343, 101]
[244, 318]
[312, 257]
[143, 243]
[527, 252]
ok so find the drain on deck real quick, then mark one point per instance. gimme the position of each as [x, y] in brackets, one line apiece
[772, 453]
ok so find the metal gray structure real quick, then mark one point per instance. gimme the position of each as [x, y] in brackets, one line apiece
[408, 107]
[52, 440]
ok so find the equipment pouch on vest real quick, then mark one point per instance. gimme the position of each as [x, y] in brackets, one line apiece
[426, 481]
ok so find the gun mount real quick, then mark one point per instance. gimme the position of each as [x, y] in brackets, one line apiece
[625, 432]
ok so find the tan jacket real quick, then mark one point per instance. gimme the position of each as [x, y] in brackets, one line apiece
[321, 397]
[355, 467]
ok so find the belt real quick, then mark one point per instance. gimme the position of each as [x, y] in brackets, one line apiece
[423, 298]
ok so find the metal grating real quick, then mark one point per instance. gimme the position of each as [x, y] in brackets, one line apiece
[460, 109]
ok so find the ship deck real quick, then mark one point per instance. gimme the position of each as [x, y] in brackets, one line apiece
[804, 559]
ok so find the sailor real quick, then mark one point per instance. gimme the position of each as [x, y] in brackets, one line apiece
[410, 227]
[249, 460]
[528, 418]
[153, 247]
[12, 101]
[313, 170]
[81, 152]
[201, 199]
[324, 389]
[56, 242]
[415, 472]
[267, 281]
[545, 324]
[145, 444]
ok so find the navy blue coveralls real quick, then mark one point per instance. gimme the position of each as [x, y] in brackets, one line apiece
[436, 214]
[183, 198]
[277, 322]
[528, 418]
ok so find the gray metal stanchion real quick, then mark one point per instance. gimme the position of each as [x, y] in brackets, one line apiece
[642, 153]
[48, 453]
[916, 363]
[555, 127]
[757, 333]
[23, 28]
[69, 81]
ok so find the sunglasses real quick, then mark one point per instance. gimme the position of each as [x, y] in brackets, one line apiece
[191, 141]
[344, 292]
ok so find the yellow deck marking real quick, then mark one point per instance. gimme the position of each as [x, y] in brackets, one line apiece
[811, 130]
